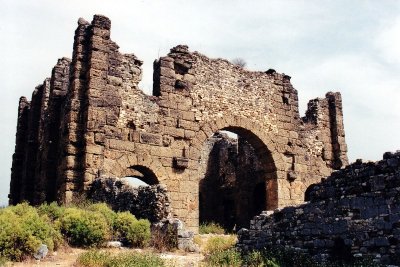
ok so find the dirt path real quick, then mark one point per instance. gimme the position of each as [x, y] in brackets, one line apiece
[66, 257]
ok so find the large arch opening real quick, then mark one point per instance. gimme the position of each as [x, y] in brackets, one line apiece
[140, 175]
[238, 181]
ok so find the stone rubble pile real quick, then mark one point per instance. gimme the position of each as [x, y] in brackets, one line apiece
[147, 202]
[171, 233]
[353, 213]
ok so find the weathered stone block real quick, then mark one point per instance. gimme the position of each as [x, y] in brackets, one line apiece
[121, 145]
[180, 163]
[152, 139]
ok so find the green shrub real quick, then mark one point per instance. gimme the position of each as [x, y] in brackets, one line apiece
[84, 228]
[219, 243]
[211, 228]
[52, 210]
[23, 230]
[106, 211]
[97, 258]
[230, 257]
[131, 231]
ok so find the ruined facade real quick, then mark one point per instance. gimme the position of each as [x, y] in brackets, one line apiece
[91, 120]
[354, 213]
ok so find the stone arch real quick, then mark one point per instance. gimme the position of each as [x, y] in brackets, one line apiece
[263, 145]
[126, 165]
[143, 173]
[243, 126]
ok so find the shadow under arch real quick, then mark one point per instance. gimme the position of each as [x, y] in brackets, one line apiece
[264, 192]
[143, 173]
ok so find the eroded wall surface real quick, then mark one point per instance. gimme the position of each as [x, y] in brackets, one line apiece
[91, 120]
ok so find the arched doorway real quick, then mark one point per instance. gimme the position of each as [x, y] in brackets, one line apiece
[238, 175]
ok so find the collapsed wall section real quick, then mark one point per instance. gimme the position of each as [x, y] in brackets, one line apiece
[354, 213]
[327, 114]
[145, 202]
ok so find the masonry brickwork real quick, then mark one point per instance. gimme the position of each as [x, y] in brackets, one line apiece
[91, 120]
[353, 213]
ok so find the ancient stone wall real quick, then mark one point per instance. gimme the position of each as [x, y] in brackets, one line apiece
[353, 213]
[98, 123]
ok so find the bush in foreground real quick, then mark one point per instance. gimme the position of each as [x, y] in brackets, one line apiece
[52, 210]
[131, 231]
[23, 230]
[84, 228]
[97, 258]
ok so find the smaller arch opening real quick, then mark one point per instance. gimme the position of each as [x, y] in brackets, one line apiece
[140, 175]
[307, 193]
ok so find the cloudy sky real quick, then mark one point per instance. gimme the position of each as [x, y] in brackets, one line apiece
[347, 46]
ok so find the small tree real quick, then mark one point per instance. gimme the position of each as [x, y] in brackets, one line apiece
[239, 62]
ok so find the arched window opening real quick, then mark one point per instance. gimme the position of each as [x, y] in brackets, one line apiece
[307, 193]
[138, 175]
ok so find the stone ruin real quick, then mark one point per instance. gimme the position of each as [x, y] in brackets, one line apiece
[90, 120]
[353, 213]
[145, 202]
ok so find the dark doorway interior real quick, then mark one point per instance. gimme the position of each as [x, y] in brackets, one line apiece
[233, 190]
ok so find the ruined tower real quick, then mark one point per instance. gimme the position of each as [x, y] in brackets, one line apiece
[91, 120]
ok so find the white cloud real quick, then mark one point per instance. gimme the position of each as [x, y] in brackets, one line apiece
[388, 40]
[370, 98]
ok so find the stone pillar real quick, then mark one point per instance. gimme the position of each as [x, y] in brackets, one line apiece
[103, 98]
[69, 179]
[339, 147]
[39, 184]
[46, 171]
[18, 157]
[327, 115]
[32, 146]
